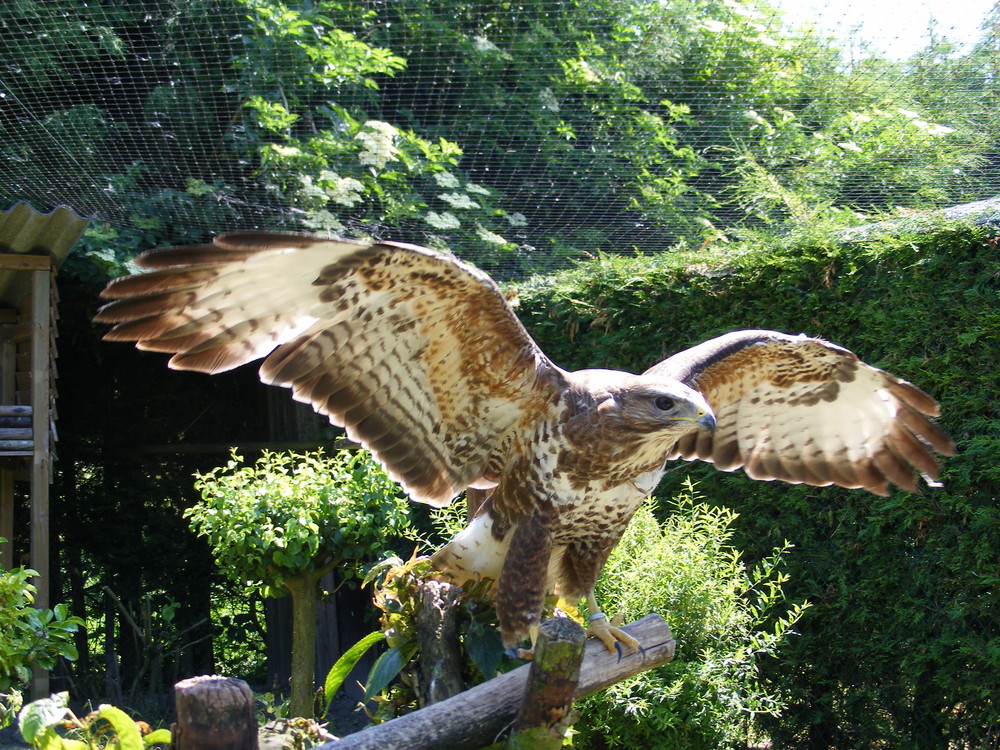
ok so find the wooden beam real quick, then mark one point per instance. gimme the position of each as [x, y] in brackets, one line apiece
[25, 262]
[8, 352]
[15, 433]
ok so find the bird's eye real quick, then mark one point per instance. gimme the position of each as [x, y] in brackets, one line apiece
[664, 403]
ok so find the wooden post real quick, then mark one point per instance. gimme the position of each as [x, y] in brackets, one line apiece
[7, 519]
[437, 631]
[8, 363]
[214, 713]
[41, 291]
[544, 715]
[480, 716]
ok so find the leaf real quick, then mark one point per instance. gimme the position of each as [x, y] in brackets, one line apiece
[129, 737]
[159, 737]
[50, 740]
[37, 715]
[485, 649]
[339, 671]
[383, 671]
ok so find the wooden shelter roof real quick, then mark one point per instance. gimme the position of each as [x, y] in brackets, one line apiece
[25, 231]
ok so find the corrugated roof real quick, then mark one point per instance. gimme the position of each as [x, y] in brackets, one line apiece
[24, 230]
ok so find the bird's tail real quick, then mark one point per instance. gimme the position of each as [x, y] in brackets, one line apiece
[474, 554]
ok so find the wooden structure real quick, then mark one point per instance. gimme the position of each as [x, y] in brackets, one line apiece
[214, 713]
[32, 246]
[477, 717]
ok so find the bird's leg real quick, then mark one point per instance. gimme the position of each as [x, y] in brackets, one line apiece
[521, 588]
[610, 636]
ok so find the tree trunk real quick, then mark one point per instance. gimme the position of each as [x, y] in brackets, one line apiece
[304, 590]
[214, 713]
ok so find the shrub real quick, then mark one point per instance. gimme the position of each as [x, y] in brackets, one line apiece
[288, 520]
[29, 637]
[724, 617]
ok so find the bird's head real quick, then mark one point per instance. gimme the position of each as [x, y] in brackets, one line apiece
[649, 405]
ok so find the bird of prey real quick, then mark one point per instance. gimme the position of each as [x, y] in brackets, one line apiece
[422, 360]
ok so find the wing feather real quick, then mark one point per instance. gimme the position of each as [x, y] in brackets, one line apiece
[803, 410]
[417, 355]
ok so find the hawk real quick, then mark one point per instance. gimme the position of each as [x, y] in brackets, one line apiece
[422, 360]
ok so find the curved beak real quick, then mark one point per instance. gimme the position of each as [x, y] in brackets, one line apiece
[706, 420]
[703, 419]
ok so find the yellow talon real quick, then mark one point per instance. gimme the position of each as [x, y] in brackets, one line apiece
[611, 636]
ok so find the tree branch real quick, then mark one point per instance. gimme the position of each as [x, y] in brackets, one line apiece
[477, 717]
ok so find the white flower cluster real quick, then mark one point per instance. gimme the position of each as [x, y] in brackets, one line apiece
[377, 143]
[459, 200]
[548, 100]
[343, 190]
[487, 236]
[446, 180]
[471, 187]
[443, 220]
[323, 221]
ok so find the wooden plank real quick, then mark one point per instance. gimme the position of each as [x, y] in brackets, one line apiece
[15, 433]
[7, 446]
[14, 410]
[25, 262]
[16, 332]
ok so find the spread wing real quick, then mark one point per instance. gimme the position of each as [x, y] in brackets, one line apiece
[417, 355]
[804, 410]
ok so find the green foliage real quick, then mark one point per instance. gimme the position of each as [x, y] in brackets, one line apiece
[50, 724]
[726, 620]
[561, 128]
[900, 646]
[288, 520]
[29, 637]
[289, 513]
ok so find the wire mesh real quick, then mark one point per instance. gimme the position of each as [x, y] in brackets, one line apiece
[522, 135]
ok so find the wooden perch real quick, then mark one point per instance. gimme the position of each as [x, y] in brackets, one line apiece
[479, 716]
[553, 675]
[214, 713]
[437, 629]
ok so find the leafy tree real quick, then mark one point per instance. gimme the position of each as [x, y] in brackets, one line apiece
[289, 519]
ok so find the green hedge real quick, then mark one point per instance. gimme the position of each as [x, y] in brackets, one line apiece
[901, 647]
